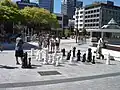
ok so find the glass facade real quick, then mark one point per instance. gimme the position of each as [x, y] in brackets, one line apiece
[68, 7]
[47, 4]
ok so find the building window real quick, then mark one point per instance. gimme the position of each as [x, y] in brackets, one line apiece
[81, 12]
[98, 10]
[91, 11]
[81, 16]
[59, 18]
[81, 20]
[60, 25]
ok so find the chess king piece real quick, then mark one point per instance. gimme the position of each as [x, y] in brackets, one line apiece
[74, 49]
[78, 55]
[68, 55]
[89, 58]
[84, 57]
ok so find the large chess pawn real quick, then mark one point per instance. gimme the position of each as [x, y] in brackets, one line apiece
[78, 55]
[63, 51]
[84, 57]
[24, 61]
[69, 55]
[89, 58]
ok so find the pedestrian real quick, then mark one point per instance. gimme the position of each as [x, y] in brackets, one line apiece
[19, 49]
[57, 43]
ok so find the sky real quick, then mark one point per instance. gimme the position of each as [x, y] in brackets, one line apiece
[57, 3]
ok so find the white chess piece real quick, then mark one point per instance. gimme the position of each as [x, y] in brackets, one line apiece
[54, 58]
[108, 59]
[61, 58]
[37, 55]
[71, 58]
[40, 55]
[46, 56]
[50, 58]
[32, 51]
[57, 63]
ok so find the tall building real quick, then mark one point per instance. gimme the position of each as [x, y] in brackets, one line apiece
[68, 7]
[47, 4]
[96, 15]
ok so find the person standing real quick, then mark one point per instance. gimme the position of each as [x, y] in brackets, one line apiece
[19, 49]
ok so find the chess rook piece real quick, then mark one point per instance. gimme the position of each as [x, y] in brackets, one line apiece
[68, 55]
[84, 57]
[74, 49]
[89, 55]
[78, 55]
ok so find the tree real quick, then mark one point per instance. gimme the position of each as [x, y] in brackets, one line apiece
[39, 18]
[8, 3]
[84, 32]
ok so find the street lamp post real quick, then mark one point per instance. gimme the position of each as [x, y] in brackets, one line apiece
[77, 27]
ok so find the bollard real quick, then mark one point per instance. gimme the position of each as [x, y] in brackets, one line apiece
[32, 51]
[46, 56]
[108, 59]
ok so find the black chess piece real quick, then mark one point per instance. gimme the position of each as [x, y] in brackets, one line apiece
[89, 55]
[68, 55]
[63, 51]
[29, 64]
[74, 49]
[84, 57]
[93, 61]
[24, 61]
[78, 55]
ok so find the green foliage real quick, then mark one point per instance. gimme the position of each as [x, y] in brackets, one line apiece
[84, 32]
[39, 17]
[8, 3]
[67, 32]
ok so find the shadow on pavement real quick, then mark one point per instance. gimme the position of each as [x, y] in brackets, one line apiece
[7, 67]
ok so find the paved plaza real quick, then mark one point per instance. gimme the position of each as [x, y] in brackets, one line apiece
[78, 76]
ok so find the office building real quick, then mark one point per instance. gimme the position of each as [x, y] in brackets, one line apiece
[68, 7]
[62, 20]
[47, 4]
[96, 15]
